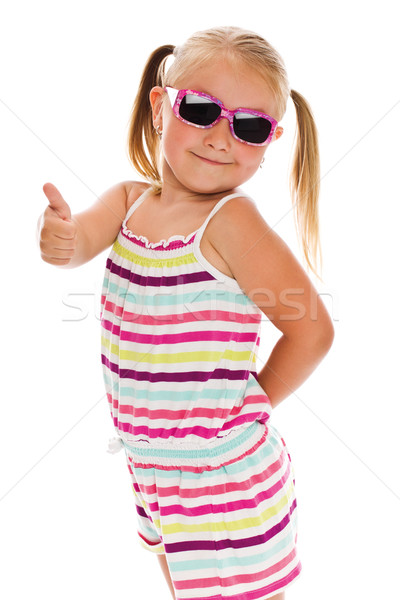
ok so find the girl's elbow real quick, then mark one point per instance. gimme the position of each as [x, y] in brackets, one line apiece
[325, 337]
[318, 339]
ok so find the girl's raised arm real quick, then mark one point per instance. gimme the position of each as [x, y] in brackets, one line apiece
[270, 275]
[69, 241]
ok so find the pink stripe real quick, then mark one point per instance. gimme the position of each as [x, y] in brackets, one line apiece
[153, 506]
[236, 579]
[174, 415]
[173, 319]
[250, 417]
[198, 430]
[195, 413]
[254, 399]
[176, 338]
[112, 401]
[189, 336]
[199, 492]
[162, 433]
[208, 509]
[260, 593]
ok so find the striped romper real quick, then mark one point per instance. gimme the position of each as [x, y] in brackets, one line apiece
[212, 478]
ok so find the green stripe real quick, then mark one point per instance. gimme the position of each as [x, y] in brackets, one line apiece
[153, 262]
[225, 525]
[177, 357]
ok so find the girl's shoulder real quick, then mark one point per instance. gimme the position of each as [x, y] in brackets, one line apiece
[247, 243]
[239, 217]
[134, 189]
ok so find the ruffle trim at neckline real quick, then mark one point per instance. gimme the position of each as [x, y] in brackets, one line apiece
[162, 243]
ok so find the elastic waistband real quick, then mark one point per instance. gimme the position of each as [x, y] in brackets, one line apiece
[219, 452]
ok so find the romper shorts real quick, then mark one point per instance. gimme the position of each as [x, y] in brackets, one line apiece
[226, 520]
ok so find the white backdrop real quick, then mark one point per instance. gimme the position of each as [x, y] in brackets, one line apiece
[68, 75]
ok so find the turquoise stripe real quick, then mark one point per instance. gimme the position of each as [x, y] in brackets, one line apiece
[185, 396]
[196, 454]
[253, 383]
[233, 469]
[234, 561]
[170, 299]
[145, 529]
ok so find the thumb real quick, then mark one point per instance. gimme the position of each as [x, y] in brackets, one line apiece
[56, 201]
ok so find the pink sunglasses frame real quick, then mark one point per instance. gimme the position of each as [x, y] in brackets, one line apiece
[176, 97]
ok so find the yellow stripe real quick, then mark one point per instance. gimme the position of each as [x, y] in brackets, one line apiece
[153, 262]
[177, 357]
[229, 525]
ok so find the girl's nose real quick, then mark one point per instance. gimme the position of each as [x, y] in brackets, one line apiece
[219, 136]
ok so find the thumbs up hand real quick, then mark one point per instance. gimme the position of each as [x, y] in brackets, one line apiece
[56, 229]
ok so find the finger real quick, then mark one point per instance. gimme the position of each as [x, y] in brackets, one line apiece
[58, 253]
[56, 201]
[55, 261]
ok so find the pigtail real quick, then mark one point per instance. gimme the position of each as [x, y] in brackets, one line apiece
[143, 142]
[305, 181]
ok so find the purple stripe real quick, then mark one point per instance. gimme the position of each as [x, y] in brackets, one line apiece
[141, 512]
[227, 543]
[181, 377]
[165, 281]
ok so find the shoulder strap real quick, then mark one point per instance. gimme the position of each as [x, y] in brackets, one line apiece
[136, 203]
[218, 206]
[229, 281]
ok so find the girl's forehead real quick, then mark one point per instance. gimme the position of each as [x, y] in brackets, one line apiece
[234, 83]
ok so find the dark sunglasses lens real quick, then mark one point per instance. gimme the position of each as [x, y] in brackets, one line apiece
[251, 128]
[198, 110]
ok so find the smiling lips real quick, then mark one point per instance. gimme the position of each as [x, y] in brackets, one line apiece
[209, 161]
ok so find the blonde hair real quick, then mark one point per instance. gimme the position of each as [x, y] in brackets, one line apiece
[255, 52]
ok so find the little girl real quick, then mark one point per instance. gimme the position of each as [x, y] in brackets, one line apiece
[192, 271]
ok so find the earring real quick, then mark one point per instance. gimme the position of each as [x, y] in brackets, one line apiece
[261, 163]
[158, 132]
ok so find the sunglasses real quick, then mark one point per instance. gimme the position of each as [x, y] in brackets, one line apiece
[201, 110]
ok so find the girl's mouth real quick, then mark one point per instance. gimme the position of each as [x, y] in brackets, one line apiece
[209, 161]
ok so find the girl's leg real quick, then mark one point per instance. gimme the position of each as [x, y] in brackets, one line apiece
[164, 566]
[280, 596]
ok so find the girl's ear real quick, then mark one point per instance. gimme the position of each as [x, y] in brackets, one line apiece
[156, 98]
[277, 134]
